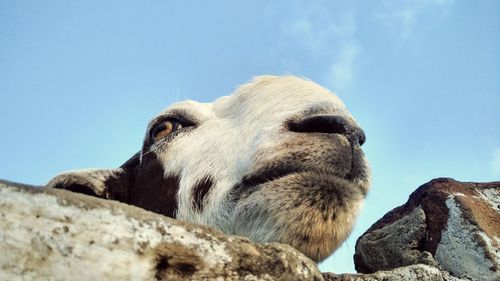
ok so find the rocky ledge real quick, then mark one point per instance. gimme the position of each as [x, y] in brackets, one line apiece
[60, 235]
[447, 230]
[446, 224]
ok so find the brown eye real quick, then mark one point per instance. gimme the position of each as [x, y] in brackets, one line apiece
[168, 126]
[164, 129]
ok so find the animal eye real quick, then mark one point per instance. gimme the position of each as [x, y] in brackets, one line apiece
[165, 128]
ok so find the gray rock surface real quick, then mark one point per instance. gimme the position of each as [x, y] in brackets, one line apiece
[407, 273]
[447, 224]
[59, 235]
[446, 231]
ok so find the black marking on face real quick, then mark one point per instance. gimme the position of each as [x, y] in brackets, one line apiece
[133, 162]
[152, 190]
[139, 182]
[200, 191]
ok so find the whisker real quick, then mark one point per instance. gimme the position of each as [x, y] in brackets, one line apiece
[144, 154]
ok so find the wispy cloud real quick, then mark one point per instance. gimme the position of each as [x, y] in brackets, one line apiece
[328, 34]
[342, 70]
[402, 17]
[318, 28]
[495, 164]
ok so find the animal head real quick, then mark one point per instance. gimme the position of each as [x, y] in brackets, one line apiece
[279, 160]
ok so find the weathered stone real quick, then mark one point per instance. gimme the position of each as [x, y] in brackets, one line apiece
[407, 273]
[446, 226]
[445, 223]
[416, 272]
[60, 235]
[402, 238]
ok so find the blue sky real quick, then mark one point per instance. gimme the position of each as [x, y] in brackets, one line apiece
[79, 80]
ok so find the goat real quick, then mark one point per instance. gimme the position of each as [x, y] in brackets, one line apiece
[279, 160]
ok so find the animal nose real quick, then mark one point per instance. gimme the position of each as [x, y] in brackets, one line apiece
[330, 124]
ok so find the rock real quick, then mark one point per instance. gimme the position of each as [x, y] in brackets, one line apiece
[445, 227]
[407, 273]
[447, 224]
[60, 235]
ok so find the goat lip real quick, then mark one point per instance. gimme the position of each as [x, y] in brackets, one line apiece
[267, 176]
[271, 175]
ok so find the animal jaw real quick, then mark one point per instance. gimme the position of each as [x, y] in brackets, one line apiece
[277, 161]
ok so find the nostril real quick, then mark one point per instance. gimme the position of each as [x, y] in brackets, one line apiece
[320, 124]
[360, 136]
[330, 124]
